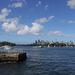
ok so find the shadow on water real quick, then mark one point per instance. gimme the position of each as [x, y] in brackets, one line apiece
[12, 68]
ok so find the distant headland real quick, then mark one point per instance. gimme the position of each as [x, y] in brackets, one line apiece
[3, 43]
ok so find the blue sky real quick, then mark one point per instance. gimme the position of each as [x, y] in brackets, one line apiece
[24, 21]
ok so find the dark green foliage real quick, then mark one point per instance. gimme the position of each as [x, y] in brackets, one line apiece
[57, 44]
[7, 43]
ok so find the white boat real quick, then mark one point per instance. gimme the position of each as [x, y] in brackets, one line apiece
[48, 46]
[41, 46]
[6, 47]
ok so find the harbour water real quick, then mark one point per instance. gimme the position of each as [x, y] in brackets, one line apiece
[42, 61]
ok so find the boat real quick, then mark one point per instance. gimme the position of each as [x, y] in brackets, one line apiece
[7, 55]
[6, 47]
[41, 46]
[48, 46]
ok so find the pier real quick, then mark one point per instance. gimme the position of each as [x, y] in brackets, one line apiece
[12, 57]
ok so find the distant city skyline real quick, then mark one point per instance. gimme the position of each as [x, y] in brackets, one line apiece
[24, 21]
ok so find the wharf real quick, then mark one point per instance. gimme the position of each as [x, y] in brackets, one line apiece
[12, 57]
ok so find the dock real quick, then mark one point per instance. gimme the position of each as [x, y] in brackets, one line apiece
[12, 57]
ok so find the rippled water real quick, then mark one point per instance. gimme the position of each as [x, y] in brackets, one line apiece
[42, 61]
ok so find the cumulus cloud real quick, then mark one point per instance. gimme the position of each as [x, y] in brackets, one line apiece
[4, 13]
[44, 20]
[13, 24]
[10, 25]
[71, 4]
[35, 29]
[22, 29]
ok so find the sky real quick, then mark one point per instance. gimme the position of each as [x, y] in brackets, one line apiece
[24, 21]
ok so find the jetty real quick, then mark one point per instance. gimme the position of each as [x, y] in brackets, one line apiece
[9, 54]
[12, 57]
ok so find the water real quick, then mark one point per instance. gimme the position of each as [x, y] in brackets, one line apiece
[42, 61]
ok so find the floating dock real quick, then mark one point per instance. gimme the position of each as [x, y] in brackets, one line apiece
[12, 57]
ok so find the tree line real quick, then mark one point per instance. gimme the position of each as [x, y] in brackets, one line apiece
[7, 43]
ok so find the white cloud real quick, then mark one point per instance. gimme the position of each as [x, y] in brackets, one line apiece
[44, 20]
[23, 30]
[71, 4]
[51, 17]
[18, 0]
[13, 25]
[71, 21]
[56, 33]
[38, 4]
[46, 6]
[5, 11]
[35, 29]
[17, 4]
[3, 14]
[10, 25]
[60, 33]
